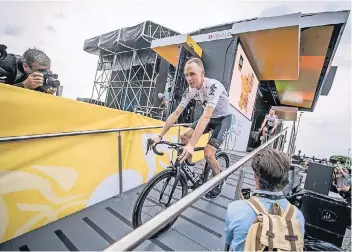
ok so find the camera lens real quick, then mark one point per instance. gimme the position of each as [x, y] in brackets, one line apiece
[52, 82]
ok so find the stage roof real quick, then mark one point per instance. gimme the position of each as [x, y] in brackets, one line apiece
[127, 39]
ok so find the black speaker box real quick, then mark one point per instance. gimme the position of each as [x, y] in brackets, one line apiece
[319, 178]
[326, 218]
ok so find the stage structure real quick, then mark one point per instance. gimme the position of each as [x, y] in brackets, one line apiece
[291, 69]
[127, 69]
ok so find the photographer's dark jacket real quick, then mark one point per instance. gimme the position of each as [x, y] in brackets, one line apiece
[11, 70]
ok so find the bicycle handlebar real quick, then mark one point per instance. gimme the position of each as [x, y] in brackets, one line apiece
[150, 144]
[177, 146]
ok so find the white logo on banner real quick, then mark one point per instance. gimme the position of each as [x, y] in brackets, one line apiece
[213, 36]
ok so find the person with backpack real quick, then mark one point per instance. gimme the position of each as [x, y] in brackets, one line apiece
[266, 221]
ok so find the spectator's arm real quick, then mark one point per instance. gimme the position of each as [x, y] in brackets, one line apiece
[344, 173]
[228, 229]
[343, 189]
[239, 217]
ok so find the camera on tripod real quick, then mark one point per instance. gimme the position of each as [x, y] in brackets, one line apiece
[50, 80]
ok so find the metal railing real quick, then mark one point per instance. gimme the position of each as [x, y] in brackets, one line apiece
[142, 233]
[89, 132]
[84, 132]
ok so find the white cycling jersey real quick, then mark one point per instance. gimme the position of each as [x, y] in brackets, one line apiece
[271, 119]
[213, 94]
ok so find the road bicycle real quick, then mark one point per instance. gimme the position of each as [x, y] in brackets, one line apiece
[265, 138]
[178, 177]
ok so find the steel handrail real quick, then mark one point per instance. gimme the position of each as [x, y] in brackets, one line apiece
[139, 235]
[77, 133]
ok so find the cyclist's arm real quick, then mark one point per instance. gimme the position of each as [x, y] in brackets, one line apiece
[187, 96]
[171, 120]
[263, 124]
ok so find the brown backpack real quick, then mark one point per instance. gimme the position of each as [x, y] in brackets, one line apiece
[274, 230]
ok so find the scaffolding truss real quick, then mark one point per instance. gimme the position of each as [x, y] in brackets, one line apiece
[127, 67]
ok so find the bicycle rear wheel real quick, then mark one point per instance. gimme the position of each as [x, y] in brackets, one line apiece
[151, 194]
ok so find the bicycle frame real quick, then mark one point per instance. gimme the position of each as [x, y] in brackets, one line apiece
[182, 170]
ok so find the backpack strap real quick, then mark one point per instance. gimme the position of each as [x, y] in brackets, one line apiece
[270, 233]
[285, 214]
[256, 205]
[288, 217]
[274, 210]
[259, 209]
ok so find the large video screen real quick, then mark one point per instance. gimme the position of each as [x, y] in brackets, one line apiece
[244, 84]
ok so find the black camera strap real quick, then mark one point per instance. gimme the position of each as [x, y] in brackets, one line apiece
[268, 196]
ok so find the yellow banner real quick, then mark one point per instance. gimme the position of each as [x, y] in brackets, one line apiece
[46, 179]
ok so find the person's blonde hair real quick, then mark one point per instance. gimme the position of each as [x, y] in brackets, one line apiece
[197, 61]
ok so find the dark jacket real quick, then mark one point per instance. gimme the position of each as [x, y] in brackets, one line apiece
[11, 70]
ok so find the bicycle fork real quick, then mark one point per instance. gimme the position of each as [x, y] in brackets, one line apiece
[177, 177]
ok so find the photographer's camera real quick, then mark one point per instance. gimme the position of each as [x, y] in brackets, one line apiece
[50, 80]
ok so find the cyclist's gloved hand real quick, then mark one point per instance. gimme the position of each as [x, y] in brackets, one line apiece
[156, 139]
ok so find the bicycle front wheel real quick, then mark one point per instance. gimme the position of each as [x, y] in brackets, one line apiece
[158, 195]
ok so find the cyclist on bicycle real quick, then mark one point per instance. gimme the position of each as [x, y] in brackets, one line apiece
[216, 116]
[269, 124]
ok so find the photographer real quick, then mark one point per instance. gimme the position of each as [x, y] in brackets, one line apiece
[27, 71]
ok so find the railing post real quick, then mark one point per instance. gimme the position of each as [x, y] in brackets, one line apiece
[282, 140]
[120, 163]
[239, 184]
[284, 137]
[278, 143]
[178, 134]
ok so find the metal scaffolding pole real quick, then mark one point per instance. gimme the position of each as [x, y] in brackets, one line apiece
[126, 76]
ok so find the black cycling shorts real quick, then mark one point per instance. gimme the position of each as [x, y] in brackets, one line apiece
[269, 127]
[220, 127]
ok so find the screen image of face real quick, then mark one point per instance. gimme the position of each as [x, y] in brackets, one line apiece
[244, 84]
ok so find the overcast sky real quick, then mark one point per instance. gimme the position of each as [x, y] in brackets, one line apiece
[60, 28]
